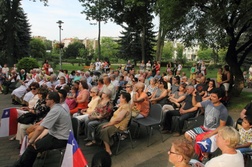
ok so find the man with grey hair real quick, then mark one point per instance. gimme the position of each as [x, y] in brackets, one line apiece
[88, 77]
[110, 86]
[186, 111]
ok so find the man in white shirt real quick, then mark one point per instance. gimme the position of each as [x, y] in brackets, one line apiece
[98, 65]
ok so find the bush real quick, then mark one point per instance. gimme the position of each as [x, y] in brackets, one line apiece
[27, 64]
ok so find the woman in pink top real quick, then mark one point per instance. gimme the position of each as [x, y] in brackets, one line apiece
[82, 98]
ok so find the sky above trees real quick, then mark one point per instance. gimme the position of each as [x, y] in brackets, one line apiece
[43, 20]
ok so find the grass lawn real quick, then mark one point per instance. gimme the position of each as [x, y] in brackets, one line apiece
[238, 103]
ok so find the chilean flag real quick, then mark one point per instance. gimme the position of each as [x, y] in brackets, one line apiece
[8, 124]
[73, 156]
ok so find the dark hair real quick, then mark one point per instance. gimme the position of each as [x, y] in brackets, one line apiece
[66, 71]
[249, 119]
[43, 91]
[77, 82]
[226, 67]
[54, 96]
[218, 91]
[73, 72]
[183, 85]
[63, 92]
[126, 96]
[101, 159]
[84, 84]
[211, 80]
[164, 83]
[178, 79]
[35, 84]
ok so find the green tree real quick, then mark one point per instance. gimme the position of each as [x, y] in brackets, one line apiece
[205, 54]
[168, 51]
[37, 48]
[179, 51]
[229, 22]
[48, 45]
[109, 48]
[10, 29]
[136, 15]
[73, 49]
[14, 32]
[27, 63]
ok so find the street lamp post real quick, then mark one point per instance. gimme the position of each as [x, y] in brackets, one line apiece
[60, 45]
[99, 38]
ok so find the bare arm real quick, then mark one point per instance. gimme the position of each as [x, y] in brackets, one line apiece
[244, 145]
[163, 95]
[138, 99]
[36, 133]
[118, 119]
[83, 98]
[242, 114]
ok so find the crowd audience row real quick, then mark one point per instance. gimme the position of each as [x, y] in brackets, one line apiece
[105, 101]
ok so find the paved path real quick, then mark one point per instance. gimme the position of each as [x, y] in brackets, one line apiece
[140, 156]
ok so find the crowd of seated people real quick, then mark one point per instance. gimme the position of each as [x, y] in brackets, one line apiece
[91, 100]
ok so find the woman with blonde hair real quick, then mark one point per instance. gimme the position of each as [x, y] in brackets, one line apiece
[181, 153]
[227, 139]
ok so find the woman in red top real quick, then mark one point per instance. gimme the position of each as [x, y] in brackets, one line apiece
[46, 67]
[82, 98]
[157, 67]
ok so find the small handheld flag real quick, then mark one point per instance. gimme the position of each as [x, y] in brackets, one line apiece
[73, 156]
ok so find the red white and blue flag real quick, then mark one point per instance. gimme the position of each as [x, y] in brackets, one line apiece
[73, 156]
[8, 124]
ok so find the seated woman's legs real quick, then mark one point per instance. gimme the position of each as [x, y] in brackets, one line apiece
[105, 134]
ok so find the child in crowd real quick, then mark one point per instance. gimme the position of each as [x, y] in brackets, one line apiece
[219, 77]
[245, 132]
[70, 100]
[193, 72]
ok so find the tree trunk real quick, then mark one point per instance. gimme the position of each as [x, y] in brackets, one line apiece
[235, 69]
[143, 42]
[160, 41]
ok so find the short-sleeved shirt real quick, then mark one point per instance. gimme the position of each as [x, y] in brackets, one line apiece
[245, 136]
[213, 114]
[58, 122]
[188, 101]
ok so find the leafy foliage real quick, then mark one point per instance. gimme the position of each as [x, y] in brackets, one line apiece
[168, 51]
[27, 63]
[109, 47]
[37, 48]
[135, 16]
[218, 24]
[73, 49]
[14, 32]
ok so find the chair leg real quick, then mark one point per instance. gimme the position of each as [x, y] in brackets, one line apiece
[160, 133]
[147, 130]
[46, 152]
[130, 139]
[151, 128]
[117, 149]
[137, 131]
[61, 157]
